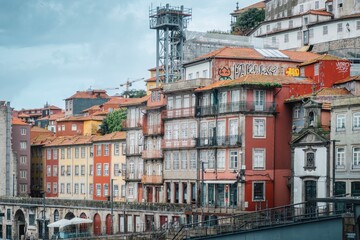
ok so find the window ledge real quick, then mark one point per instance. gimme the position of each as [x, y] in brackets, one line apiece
[309, 168]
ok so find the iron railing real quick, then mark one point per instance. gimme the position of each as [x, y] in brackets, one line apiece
[178, 143]
[151, 154]
[229, 140]
[179, 112]
[236, 107]
[154, 129]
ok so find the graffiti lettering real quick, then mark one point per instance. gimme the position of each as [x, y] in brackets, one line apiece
[342, 67]
[250, 68]
[295, 72]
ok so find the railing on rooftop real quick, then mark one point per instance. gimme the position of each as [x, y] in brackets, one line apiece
[285, 215]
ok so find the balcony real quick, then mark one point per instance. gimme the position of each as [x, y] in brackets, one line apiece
[152, 179]
[132, 151]
[154, 130]
[151, 154]
[226, 141]
[236, 107]
[133, 176]
[132, 123]
[178, 143]
[179, 112]
[184, 85]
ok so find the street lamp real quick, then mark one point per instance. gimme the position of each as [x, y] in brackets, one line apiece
[43, 217]
[334, 165]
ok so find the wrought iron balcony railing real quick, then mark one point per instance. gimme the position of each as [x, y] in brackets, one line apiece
[179, 112]
[152, 179]
[178, 143]
[154, 130]
[150, 154]
[235, 107]
[229, 140]
[135, 175]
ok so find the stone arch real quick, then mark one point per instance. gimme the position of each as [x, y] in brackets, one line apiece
[70, 228]
[97, 224]
[83, 226]
[69, 215]
[56, 218]
[108, 224]
[19, 224]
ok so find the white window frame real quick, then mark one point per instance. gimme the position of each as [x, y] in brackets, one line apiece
[356, 157]
[73, 127]
[258, 163]
[106, 169]
[340, 157]
[259, 127]
[23, 131]
[98, 169]
[233, 159]
[340, 122]
[356, 121]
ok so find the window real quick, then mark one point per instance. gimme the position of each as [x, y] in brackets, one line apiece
[77, 170]
[62, 170]
[190, 76]
[258, 127]
[167, 161]
[197, 74]
[73, 127]
[55, 154]
[106, 169]
[258, 159]
[23, 145]
[233, 160]
[98, 169]
[301, 8]
[23, 174]
[306, 20]
[91, 170]
[76, 188]
[258, 191]
[98, 150]
[193, 160]
[278, 25]
[291, 24]
[55, 171]
[68, 170]
[23, 131]
[184, 160]
[131, 189]
[82, 188]
[316, 69]
[325, 30]
[82, 170]
[273, 40]
[316, 4]
[48, 187]
[106, 149]
[259, 102]
[59, 128]
[356, 156]
[340, 122]
[91, 188]
[176, 160]
[62, 127]
[98, 190]
[23, 188]
[310, 160]
[356, 120]
[8, 214]
[116, 190]
[357, 25]
[116, 169]
[339, 27]
[116, 149]
[23, 159]
[299, 35]
[62, 188]
[340, 157]
[48, 154]
[82, 152]
[286, 38]
[123, 190]
[205, 74]
[311, 33]
[91, 151]
[62, 153]
[267, 28]
[68, 154]
[221, 159]
[68, 188]
[296, 112]
[106, 190]
[340, 3]
[48, 172]
[76, 152]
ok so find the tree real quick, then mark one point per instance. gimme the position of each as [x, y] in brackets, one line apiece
[248, 20]
[134, 93]
[113, 121]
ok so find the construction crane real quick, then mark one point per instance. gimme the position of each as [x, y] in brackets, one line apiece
[127, 84]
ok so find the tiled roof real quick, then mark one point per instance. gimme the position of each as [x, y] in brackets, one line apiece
[110, 137]
[17, 121]
[256, 79]
[95, 107]
[23, 115]
[70, 140]
[322, 92]
[89, 94]
[56, 116]
[319, 12]
[260, 4]
[135, 101]
[41, 140]
[80, 118]
[324, 57]
[39, 129]
[348, 79]
[115, 100]
[251, 53]
[53, 107]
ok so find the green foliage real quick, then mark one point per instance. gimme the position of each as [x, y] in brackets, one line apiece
[249, 19]
[113, 121]
[134, 93]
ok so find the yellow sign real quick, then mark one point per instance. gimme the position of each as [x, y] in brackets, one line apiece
[294, 72]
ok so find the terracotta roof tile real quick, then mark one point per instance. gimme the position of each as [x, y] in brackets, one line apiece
[70, 140]
[323, 92]
[80, 118]
[115, 100]
[135, 101]
[319, 12]
[53, 107]
[56, 116]
[324, 57]
[41, 140]
[17, 121]
[260, 4]
[95, 107]
[348, 79]
[214, 85]
[39, 129]
[110, 137]
[89, 94]
[23, 115]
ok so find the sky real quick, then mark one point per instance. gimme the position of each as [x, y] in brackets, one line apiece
[49, 49]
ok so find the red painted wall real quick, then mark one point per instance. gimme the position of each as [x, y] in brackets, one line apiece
[68, 131]
[101, 179]
[330, 71]
[51, 179]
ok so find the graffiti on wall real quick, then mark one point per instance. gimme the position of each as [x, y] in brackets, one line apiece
[342, 67]
[224, 73]
[295, 72]
[242, 69]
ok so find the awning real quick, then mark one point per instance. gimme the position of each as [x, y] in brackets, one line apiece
[66, 222]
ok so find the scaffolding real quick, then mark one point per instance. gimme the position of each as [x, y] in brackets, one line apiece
[169, 23]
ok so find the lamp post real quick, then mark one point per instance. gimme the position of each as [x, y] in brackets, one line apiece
[112, 207]
[334, 165]
[44, 217]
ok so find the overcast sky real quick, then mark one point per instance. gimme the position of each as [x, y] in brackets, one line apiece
[49, 49]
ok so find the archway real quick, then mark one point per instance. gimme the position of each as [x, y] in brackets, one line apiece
[108, 224]
[19, 224]
[42, 222]
[97, 224]
[83, 226]
[56, 218]
[70, 228]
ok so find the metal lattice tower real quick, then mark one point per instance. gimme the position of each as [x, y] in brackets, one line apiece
[170, 24]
